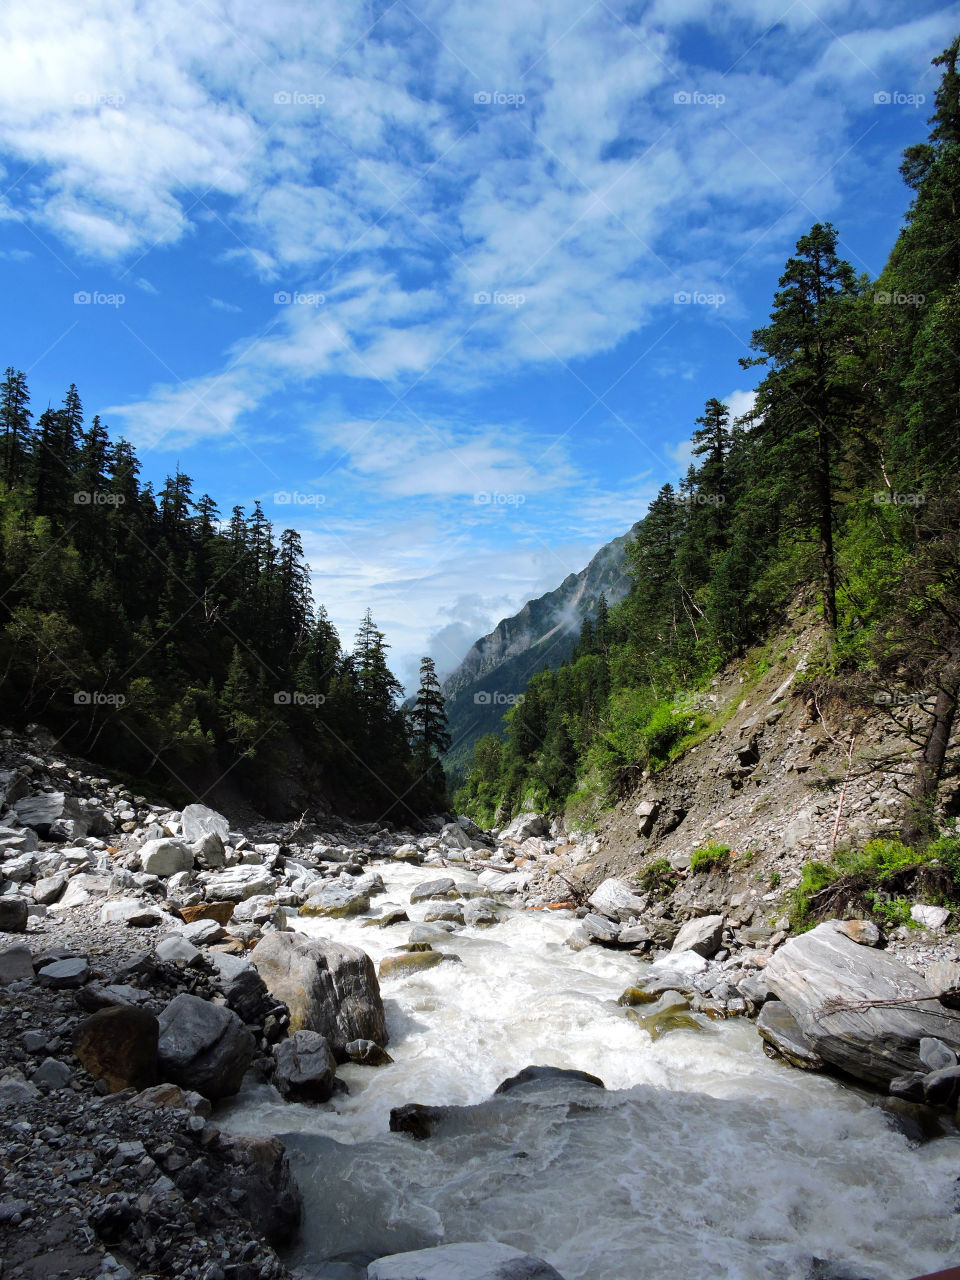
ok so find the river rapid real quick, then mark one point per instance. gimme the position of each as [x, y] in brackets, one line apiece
[702, 1158]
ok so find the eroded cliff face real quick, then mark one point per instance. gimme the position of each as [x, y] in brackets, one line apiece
[496, 669]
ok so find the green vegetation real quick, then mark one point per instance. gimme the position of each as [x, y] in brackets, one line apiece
[884, 878]
[154, 637]
[713, 857]
[841, 484]
[658, 878]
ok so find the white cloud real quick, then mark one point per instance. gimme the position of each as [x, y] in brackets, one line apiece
[218, 304]
[147, 286]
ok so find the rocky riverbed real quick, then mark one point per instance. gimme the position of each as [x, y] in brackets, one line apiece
[174, 991]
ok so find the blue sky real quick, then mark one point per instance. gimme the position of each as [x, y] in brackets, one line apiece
[414, 266]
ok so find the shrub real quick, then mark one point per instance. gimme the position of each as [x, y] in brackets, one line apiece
[658, 877]
[713, 857]
[814, 877]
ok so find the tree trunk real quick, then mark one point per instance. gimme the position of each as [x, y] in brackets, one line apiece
[934, 754]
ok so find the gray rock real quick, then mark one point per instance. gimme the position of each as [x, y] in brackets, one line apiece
[198, 821]
[453, 836]
[203, 1046]
[65, 974]
[941, 1088]
[201, 933]
[337, 901]
[81, 888]
[367, 1054]
[52, 1074]
[305, 1067]
[53, 815]
[243, 988]
[236, 884]
[49, 888]
[327, 986]
[863, 931]
[930, 917]
[540, 1076]
[481, 911]
[19, 869]
[614, 898]
[525, 825]
[839, 994]
[701, 935]
[481, 1261]
[435, 931]
[130, 912]
[177, 950]
[778, 1029]
[165, 857]
[13, 915]
[935, 1055]
[599, 928]
[16, 964]
[943, 979]
[15, 1089]
[445, 887]
[208, 852]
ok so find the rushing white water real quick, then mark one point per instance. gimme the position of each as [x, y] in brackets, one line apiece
[709, 1159]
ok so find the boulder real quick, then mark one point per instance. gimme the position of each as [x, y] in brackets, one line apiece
[453, 836]
[243, 988]
[218, 911]
[49, 888]
[943, 979]
[81, 888]
[614, 898]
[783, 1038]
[177, 950]
[305, 1067]
[119, 1045]
[165, 857]
[131, 912]
[262, 1186]
[236, 884]
[701, 935]
[208, 852]
[13, 915]
[202, 932]
[862, 1011]
[525, 825]
[53, 816]
[481, 1261]
[337, 901]
[646, 813]
[445, 887]
[65, 974]
[367, 1054]
[16, 964]
[547, 1075]
[198, 821]
[403, 966]
[481, 911]
[499, 881]
[328, 987]
[204, 1046]
[599, 928]
[930, 917]
[863, 931]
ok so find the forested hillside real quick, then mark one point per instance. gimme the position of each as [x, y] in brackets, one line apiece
[842, 480]
[183, 649]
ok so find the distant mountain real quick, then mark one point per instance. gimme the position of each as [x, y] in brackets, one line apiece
[543, 634]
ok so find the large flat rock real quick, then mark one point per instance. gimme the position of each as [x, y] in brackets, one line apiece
[860, 1009]
[485, 1260]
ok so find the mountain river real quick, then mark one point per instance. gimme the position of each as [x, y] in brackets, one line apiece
[702, 1157]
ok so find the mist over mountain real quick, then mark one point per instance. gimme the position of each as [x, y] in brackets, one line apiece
[496, 668]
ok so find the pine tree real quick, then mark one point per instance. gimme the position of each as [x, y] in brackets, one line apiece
[15, 418]
[804, 402]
